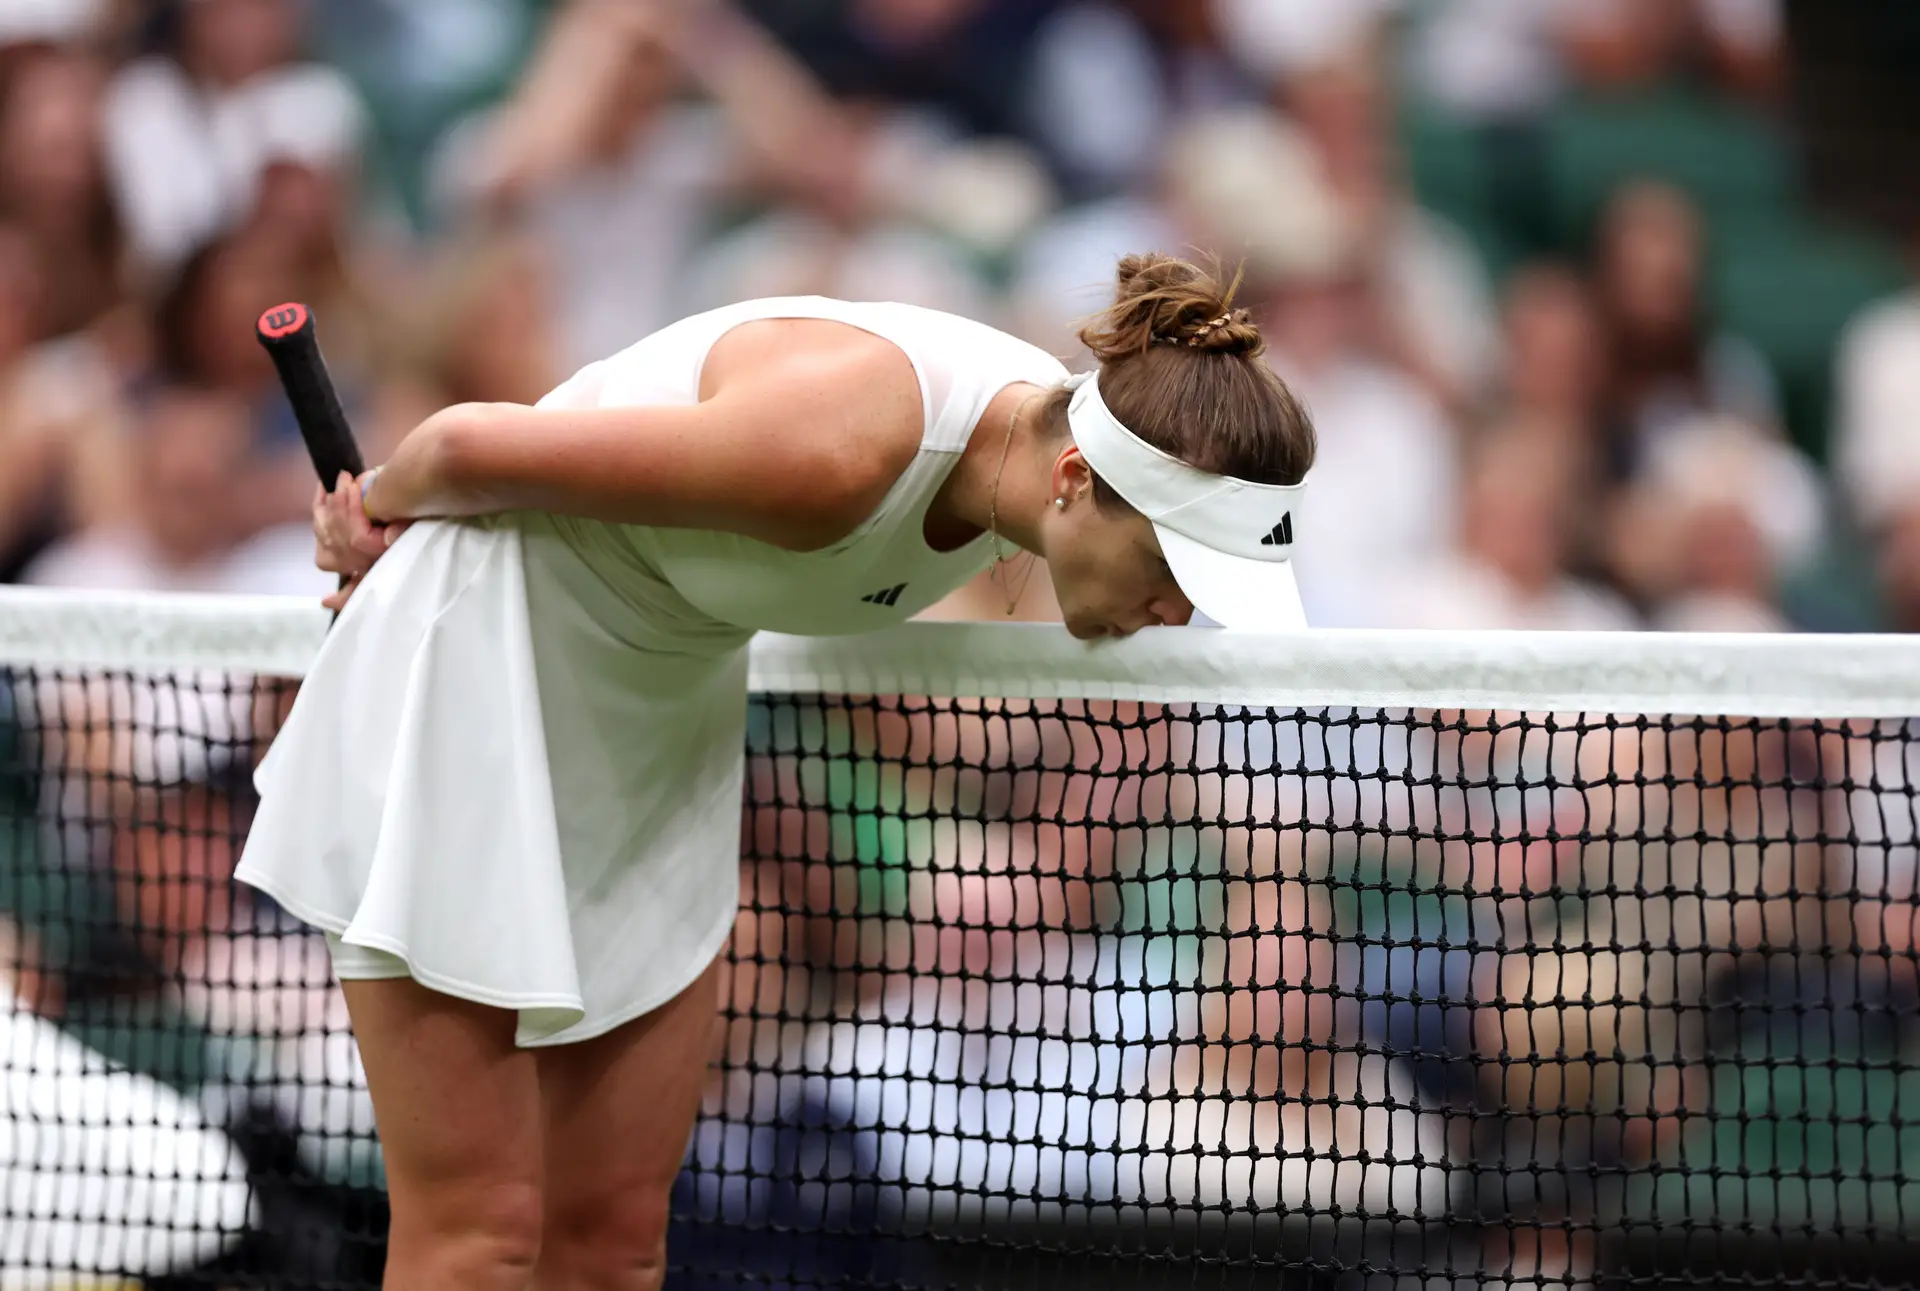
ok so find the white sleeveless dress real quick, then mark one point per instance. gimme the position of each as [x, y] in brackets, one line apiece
[516, 764]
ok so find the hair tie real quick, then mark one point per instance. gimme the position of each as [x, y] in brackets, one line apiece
[1207, 329]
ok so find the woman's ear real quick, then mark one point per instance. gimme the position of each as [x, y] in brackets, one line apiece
[1072, 477]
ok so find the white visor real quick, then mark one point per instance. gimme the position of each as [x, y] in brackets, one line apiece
[1228, 541]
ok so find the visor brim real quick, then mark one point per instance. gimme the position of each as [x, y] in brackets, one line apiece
[1233, 591]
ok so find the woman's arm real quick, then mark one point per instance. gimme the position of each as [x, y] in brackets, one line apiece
[794, 447]
[546, 129]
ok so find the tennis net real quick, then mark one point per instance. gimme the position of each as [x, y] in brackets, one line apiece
[1196, 960]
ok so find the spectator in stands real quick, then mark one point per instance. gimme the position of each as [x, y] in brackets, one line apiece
[488, 334]
[1899, 571]
[53, 185]
[145, 1187]
[613, 177]
[1518, 513]
[1876, 453]
[61, 448]
[194, 459]
[1554, 370]
[1640, 44]
[1385, 477]
[204, 338]
[1487, 61]
[1719, 517]
[306, 215]
[189, 134]
[805, 247]
[594, 146]
[1666, 363]
[1196, 69]
[1509, 60]
[1436, 315]
[1079, 81]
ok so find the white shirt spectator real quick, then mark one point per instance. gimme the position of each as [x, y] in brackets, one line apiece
[1717, 612]
[278, 562]
[1462, 594]
[1273, 40]
[105, 1170]
[1711, 460]
[1437, 290]
[1488, 59]
[1877, 423]
[185, 159]
[1096, 98]
[1065, 273]
[616, 237]
[791, 253]
[55, 21]
[1382, 494]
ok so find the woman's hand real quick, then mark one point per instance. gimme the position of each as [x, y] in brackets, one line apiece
[346, 541]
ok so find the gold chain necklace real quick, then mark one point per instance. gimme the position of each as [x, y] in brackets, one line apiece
[998, 574]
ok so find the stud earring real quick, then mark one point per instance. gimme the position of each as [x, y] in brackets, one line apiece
[1061, 503]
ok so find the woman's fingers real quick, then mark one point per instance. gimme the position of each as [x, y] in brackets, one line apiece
[360, 532]
[338, 600]
[326, 543]
[345, 541]
[330, 560]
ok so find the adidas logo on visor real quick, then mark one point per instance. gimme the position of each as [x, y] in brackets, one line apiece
[886, 595]
[1282, 535]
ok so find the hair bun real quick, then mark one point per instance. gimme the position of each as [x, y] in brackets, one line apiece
[1164, 300]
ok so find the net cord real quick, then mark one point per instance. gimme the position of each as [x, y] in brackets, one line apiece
[1706, 674]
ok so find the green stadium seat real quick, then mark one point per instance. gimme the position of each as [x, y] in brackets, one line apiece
[1453, 168]
[1789, 284]
[1446, 161]
[1728, 159]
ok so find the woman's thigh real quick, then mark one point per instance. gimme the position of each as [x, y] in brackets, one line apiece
[458, 1108]
[618, 1112]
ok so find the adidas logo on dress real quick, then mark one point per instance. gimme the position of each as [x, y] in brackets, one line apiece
[886, 595]
[1282, 535]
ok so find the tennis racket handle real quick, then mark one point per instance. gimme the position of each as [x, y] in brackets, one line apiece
[287, 332]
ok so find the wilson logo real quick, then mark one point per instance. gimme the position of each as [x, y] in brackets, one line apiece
[283, 320]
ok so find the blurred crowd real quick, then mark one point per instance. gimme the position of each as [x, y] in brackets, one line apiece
[1529, 263]
[1582, 353]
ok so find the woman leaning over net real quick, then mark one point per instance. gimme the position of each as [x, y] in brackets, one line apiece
[510, 789]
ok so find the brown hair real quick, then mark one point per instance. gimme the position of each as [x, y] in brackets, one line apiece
[1180, 367]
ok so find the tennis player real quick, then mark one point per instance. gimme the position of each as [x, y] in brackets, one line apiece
[509, 791]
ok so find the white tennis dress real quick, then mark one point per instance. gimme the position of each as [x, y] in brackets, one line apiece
[516, 763]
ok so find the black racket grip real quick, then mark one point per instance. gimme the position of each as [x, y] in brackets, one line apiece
[288, 334]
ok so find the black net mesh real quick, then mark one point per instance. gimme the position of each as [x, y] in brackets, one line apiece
[1062, 994]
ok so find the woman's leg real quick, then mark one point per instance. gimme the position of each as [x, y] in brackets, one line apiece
[459, 1114]
[619, 1110]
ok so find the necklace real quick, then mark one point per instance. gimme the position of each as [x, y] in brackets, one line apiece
[993, 519]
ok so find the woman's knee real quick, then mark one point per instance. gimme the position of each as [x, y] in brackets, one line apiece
[616, 1242]
[482, 1236]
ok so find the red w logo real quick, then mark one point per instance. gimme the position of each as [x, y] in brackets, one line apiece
[283, 320]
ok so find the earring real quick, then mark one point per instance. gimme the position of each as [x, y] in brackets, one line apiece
[1061, 503]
